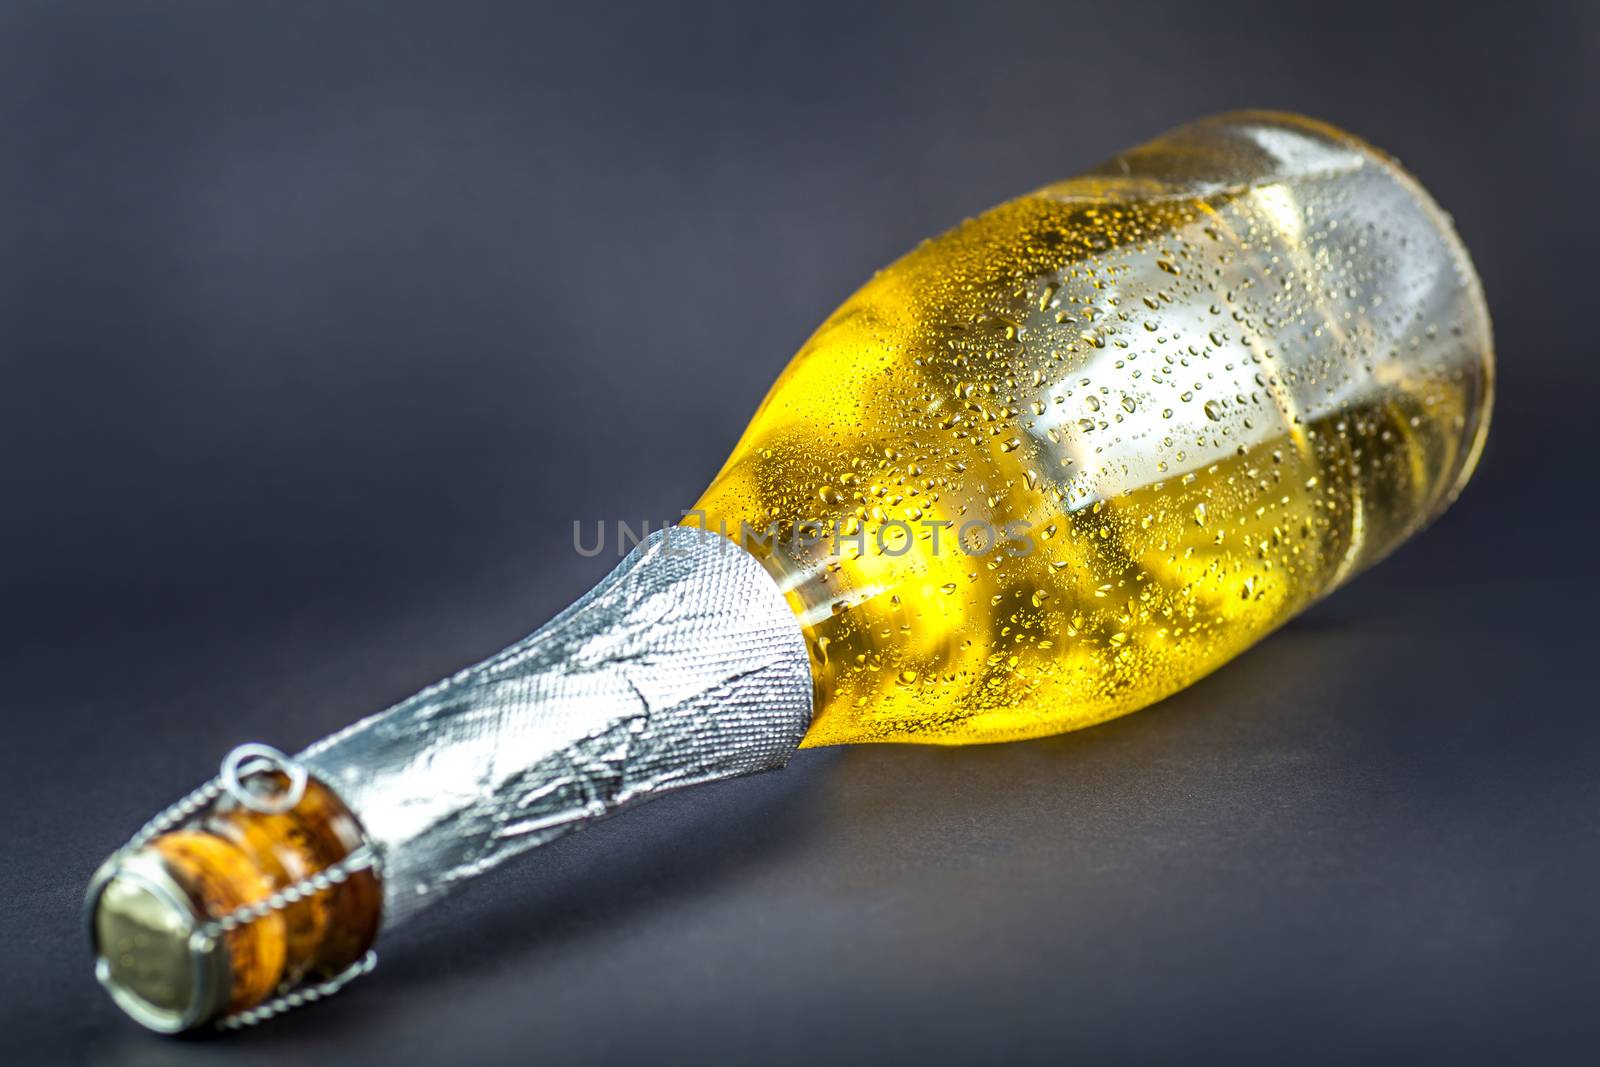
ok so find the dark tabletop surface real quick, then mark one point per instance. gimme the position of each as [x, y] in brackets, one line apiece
[322, 325]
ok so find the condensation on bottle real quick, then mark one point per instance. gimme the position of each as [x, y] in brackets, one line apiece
[1074, 454]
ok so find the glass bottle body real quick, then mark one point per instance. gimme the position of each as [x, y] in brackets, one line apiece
[1074, 454]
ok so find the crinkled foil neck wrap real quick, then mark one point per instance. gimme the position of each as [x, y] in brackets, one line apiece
[684, 665]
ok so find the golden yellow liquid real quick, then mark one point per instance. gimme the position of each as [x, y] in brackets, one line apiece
[1205, 384]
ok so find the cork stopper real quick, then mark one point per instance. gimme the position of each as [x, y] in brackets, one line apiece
[267, 889]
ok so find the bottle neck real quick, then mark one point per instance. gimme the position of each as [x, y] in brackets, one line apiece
[684, 665]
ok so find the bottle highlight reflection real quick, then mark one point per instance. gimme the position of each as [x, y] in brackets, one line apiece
[1202, 385]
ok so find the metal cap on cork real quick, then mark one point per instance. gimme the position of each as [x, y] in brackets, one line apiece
[151, 952]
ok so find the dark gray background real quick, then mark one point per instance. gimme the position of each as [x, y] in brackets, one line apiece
[321, 324]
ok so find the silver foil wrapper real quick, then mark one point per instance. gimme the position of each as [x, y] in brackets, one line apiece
[684, 665]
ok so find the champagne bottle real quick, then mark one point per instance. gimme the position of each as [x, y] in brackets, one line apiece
[1046, 469]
